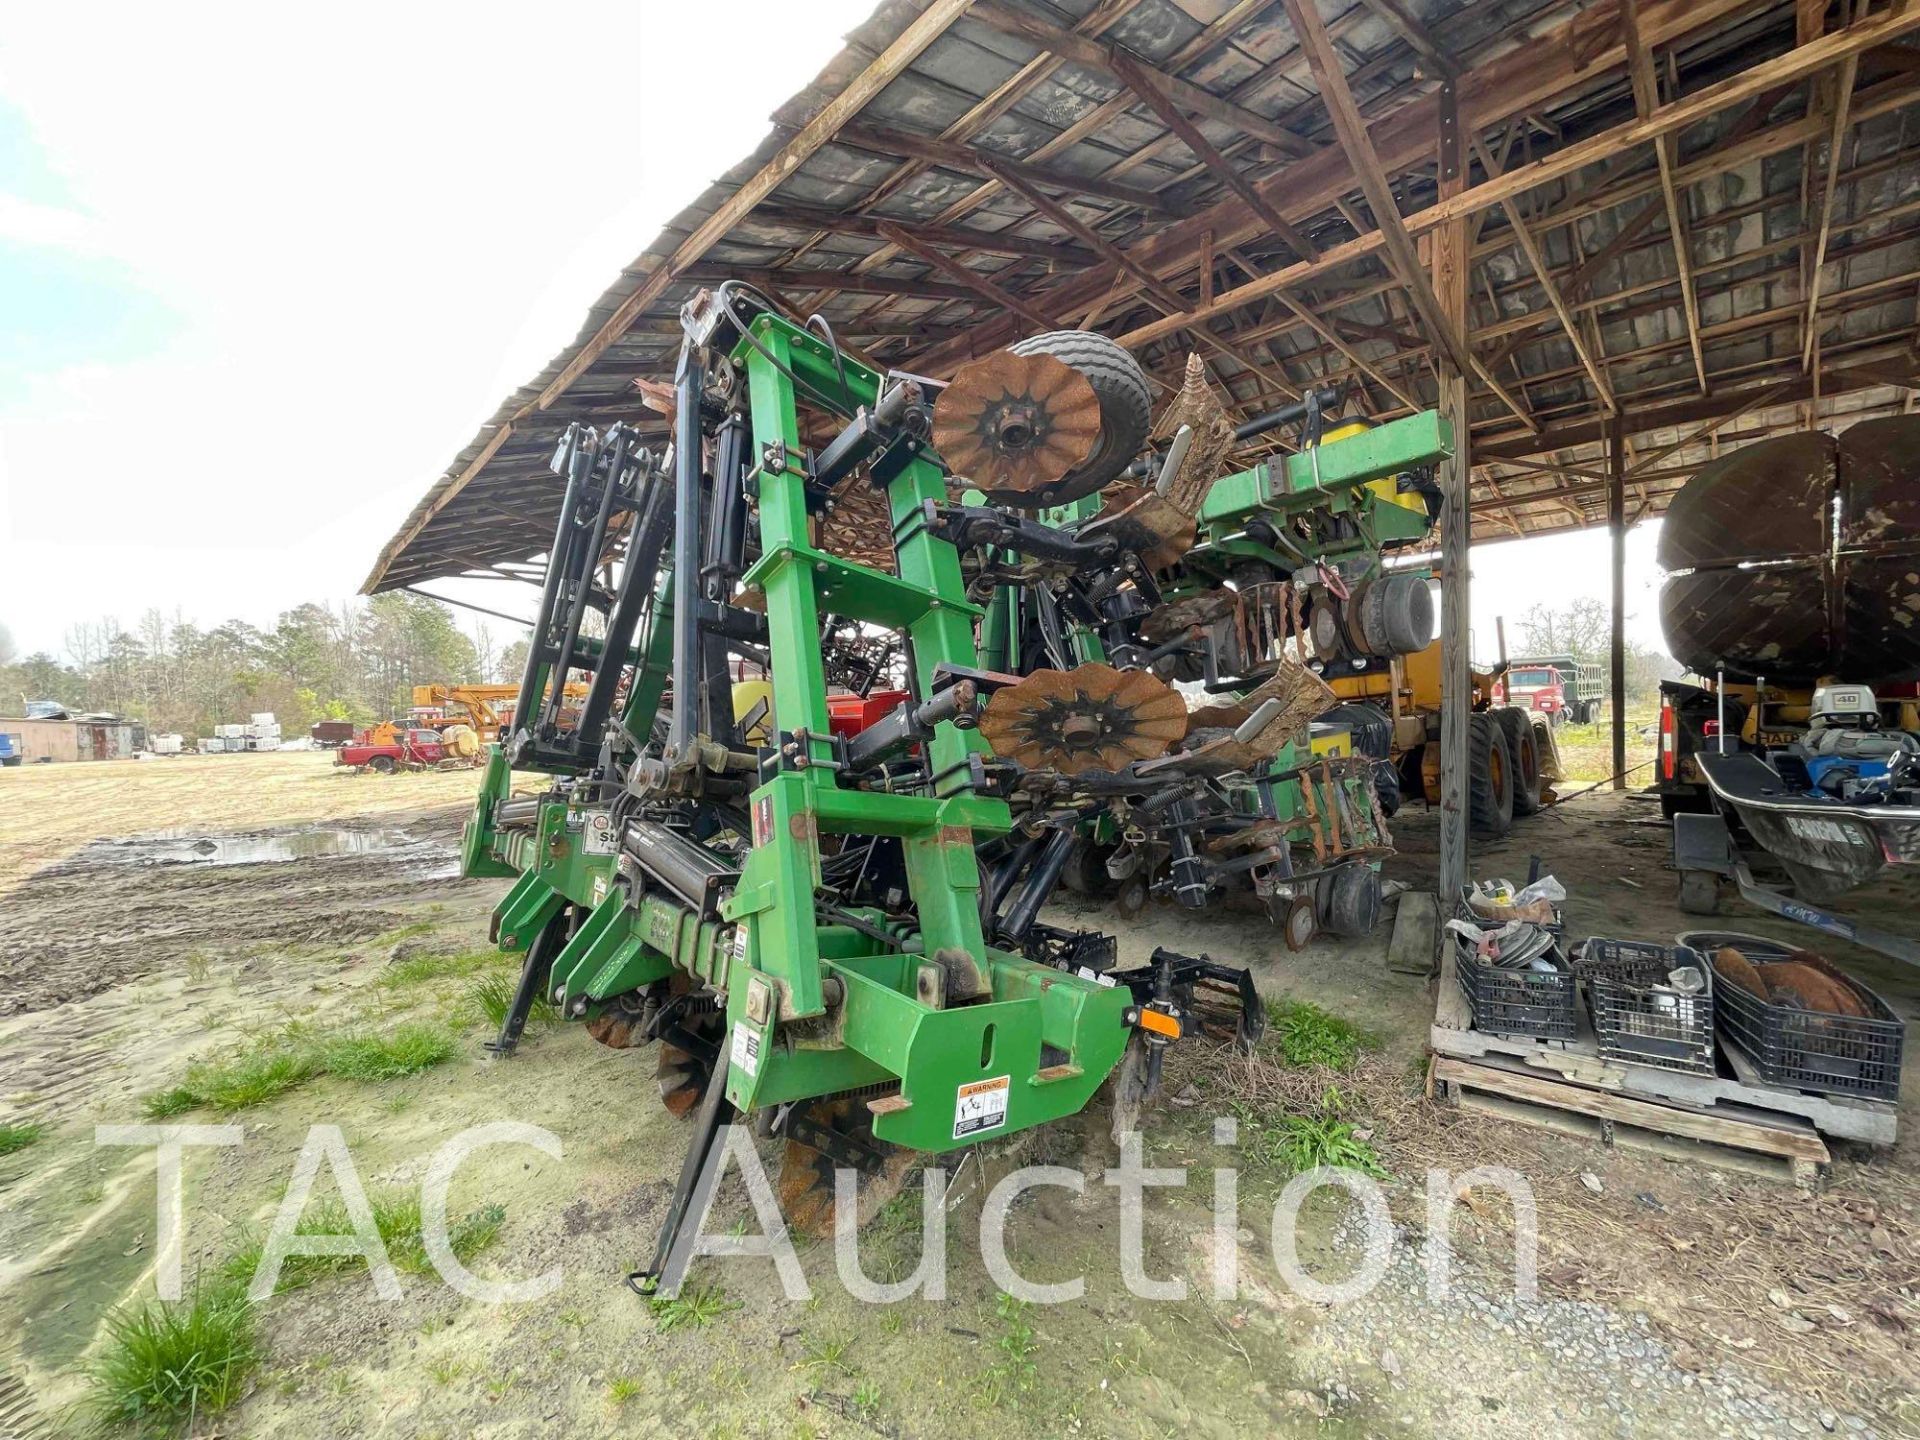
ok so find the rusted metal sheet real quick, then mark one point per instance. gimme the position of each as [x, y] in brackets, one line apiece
[1800, 557]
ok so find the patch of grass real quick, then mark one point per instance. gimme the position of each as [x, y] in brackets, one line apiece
[866, 1397]
[826, 1356]
[407, 1050]
[420, 969]
[623, 1388]
[396, 1216]
[694, 1308]
[1012, 1373]
[17, 1135]
[265, 1070]
[1291, 1144]
[164, 1367]
[491, 996]
[1308, 1035]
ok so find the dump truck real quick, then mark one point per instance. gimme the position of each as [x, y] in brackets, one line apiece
[1566, 690]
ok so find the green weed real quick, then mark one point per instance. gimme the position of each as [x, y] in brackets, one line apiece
[623, 1388]
[866, 1397]
[491, 996]
[1013, 1372]
[695, 1308]
[262, 1072]
[1308, 1035]
[396, 1216]
[419, 969]
[407, 1050]
[1291, 1144]
[164, 1367]
[826, 1356]
[17, 1135]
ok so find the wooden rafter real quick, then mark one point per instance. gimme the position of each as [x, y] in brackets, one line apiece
[1331, 77]
[1148, 86]
[1118, 62]
[1843, 98]
[1646, 99]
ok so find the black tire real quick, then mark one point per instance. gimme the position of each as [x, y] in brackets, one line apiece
[1085, 872]
[1349, 901]
[381, 765]
[1517, 726]
[1371, 726]
[1125, 406]
[1489, 777]
[1386, 786]
[1398, 615]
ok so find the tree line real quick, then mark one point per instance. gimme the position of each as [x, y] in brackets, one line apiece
[357, 661]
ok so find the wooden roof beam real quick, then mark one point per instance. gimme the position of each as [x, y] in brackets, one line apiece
[1842, 101]
[1676, 115]
[1396, 238]
[1530, 247]
[1117, 62]
[1168, 297]
[1147, 85]
[886, 140]
[1402, 23]
[1646, 99]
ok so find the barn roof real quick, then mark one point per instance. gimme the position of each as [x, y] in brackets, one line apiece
[1703, 215]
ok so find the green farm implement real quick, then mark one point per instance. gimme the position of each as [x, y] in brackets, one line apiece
[871, 666]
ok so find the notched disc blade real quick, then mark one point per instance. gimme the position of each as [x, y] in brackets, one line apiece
[1011, 425]
[1092, 717]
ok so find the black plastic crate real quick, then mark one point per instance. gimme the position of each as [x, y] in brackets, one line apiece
[1637, 1017]
[1809, 1050]
[1518, 1002]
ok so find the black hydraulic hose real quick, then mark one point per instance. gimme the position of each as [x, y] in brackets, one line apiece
[687, 459]
[1040, 884]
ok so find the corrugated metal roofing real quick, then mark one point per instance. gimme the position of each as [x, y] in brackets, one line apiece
[1036, 84]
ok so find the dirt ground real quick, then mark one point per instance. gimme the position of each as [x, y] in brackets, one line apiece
[1674, 1298]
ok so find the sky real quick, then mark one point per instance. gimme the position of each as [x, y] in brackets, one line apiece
[265, 269]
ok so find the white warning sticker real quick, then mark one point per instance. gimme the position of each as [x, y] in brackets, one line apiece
[598, 837]
[1086, 974]
[981, 1106]
[746, 1048]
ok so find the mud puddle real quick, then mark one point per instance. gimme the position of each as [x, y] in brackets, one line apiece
[265, 847]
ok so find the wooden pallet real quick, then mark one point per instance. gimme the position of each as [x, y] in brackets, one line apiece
[1767, 1145]
[1570, 1086]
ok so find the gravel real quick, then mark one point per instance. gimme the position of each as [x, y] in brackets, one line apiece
[1483, 1362]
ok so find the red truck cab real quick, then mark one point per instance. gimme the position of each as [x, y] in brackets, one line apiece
[412, 747]
[1535, 687]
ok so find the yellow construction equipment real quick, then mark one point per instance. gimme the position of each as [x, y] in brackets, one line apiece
[479, 704]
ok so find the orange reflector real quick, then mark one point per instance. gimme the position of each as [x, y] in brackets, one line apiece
[1160, 1024]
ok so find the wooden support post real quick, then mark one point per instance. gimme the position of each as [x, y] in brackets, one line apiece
[1450, 265]
[1616, 640]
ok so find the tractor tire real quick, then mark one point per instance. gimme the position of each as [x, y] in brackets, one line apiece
[381, 765]
[1372, 727]
[1397, 615]
[1125, 415]
[1522, 745]
[1349, 901]
[1085, 872]
[1489, 777]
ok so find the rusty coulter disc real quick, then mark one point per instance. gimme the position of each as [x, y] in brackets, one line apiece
[1092, 717]
[1012, 425]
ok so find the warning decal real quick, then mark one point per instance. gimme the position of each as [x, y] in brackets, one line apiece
[981, 1106]
[746, 1048]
